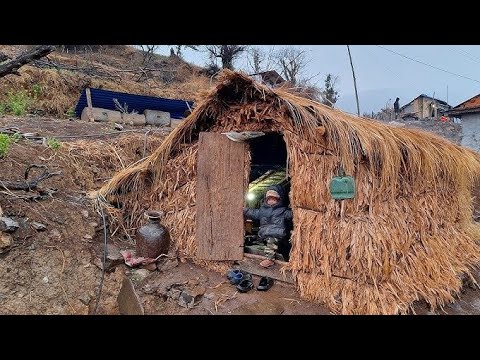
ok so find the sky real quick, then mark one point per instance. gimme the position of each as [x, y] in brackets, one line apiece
[383, 75]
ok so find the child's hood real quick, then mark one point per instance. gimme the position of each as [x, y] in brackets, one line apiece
[280, 192]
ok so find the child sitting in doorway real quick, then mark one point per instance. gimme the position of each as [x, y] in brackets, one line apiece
[273, 217]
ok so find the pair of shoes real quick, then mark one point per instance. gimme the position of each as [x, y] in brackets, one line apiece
[265, 283]
[247, 284]
[267, 263]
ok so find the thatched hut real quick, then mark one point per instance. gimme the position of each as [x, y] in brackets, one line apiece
[407, 234]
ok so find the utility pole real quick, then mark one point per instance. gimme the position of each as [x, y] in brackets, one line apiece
[354, 80]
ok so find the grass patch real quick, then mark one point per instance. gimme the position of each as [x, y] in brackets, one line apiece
[53, 143]
[16, 103]
[70, 113]
[5, 142]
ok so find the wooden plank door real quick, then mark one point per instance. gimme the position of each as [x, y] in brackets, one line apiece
[220, 197]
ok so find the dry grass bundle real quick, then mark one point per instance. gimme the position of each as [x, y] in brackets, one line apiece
[407, 234]
[61, 89]
[90, 160]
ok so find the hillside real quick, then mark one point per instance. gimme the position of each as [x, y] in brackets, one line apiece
[52, 86]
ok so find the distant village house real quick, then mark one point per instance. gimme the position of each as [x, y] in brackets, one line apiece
[469, 114]
[270, 78]
[424, 106]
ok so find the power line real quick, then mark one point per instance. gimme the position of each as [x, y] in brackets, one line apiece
[432, 66]
[470, 56]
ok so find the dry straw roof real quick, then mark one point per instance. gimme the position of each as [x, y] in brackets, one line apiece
[409, 173]
[394, 154]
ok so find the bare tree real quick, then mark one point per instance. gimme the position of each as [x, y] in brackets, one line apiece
[177, 50]
[226, 53]
[291, 62]
[259, 60]
[255, 58]
[148, 52]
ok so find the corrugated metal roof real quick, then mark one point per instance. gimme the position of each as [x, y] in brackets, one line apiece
[471, 103]
[104, 99]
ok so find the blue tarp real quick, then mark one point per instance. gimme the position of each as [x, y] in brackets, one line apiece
[104, 99]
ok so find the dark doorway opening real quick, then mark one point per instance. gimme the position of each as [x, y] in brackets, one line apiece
[268, 167]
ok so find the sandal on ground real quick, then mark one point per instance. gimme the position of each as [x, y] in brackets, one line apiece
[245, 285]
[237, 276]
[231, 274]
[265, 283]
[267, 263]
[236, 279]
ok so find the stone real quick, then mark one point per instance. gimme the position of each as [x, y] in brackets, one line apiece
[150, 267]
[85, 299]
[139, 275]
[45, 279]
[192, 282]
[6, 241]
[118, 127]
[39, 226]
[128, 300]
[198, 291]
[114, 258]
[148, 289]
[87, 237]
[209, 296]
[113, 253]
[157, 118]
[100, 115]
[93, 224]
[190, 297]
[166, 264]
[133, 119]
[8, 225]
[55, 234]
[173, 291]
[84, 213]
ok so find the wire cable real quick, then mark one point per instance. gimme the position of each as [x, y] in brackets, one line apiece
[104, 259]
[432, 66]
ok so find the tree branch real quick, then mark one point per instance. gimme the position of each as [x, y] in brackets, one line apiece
[32, 184]
[12, 66]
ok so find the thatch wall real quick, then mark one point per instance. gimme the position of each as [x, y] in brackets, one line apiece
[372, 254]
[407, 235]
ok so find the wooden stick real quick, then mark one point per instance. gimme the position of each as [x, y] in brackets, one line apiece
[89, 103]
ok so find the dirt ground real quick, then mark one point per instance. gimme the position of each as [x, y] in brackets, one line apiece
[220, 297]
[51, 270]
[55, 270]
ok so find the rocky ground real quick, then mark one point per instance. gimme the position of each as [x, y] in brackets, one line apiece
[448, 130]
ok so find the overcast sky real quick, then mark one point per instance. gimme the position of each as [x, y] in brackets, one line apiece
[383, 75]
